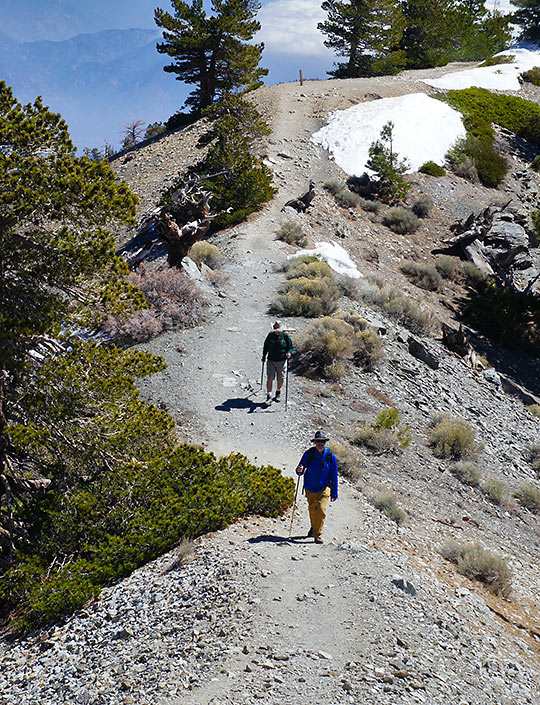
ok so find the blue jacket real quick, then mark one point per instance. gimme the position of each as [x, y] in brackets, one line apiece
[320, 471]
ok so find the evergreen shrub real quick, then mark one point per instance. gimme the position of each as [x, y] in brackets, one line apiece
[116, 522]
[432, 169]
[498, 59]
[206, 252]
[292, 234]
[477, 563]
[385, 502]
[528, 495]
[422, 275]
[532, 76]
[490, 166]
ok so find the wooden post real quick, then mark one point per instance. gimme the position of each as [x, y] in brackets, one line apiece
[301, 78]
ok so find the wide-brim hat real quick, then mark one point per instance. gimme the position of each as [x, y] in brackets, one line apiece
[277, 326]
[319, 437]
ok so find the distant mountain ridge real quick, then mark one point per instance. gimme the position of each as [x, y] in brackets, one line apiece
[98, 82]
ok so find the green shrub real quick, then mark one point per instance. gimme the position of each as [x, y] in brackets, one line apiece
[401, 221]
[422, 275]
[493, 488]
[347, 461]
[535, 218]
[205, 252]
[477, 563]
[512, 318]
[388, 184]
[369, 205]
[534, 409]
[473, 276]
[499, 59]
[432, 169]
[535, 164]
[315, 269]
[118, 520]
[513, 113]
[490, 166]
[397, 306]
[453, 438]
[334, 186]
[292, 234]
[385, 502]
[467, 473]
[385, 435]
[348, 199]
[448, 267]
[528, 495]
[306, 297]
[532, 76]
[422, 205]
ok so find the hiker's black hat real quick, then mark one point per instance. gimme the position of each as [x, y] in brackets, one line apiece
[319, 437]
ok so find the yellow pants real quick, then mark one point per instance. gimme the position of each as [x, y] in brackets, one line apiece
[317, 503]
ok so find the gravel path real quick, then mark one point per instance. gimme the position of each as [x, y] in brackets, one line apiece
[251, 617]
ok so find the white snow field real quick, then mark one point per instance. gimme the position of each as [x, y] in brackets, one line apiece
[424, 129]
[503, 77]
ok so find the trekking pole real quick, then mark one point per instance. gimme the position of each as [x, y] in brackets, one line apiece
[262, 372]
[286, 383]
[294, 504]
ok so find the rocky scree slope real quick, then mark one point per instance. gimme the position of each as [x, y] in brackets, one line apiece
[375, 615]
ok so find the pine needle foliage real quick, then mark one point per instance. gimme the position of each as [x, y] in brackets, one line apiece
[389, 185]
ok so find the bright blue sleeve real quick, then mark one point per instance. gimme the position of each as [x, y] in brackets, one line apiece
[304, 460]
[333, 478]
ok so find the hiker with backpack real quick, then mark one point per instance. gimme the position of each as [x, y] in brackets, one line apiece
[319, 467]
[278, 348]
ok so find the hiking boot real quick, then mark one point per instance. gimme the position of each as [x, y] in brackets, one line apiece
[318, 539]
[310, 532]
[278, 394]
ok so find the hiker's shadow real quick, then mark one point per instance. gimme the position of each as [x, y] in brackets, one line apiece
[270, 538]
[240, 403]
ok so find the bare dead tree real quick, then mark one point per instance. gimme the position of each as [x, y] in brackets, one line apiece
[132, 133]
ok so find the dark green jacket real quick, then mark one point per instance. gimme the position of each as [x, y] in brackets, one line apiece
[277, 346]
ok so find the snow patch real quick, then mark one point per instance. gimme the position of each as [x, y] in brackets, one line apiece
[336, 257]
[503, 77]
[424, 130]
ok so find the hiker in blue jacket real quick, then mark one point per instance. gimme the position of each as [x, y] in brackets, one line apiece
[319, 467]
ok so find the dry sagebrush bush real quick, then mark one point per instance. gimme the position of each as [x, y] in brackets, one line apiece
[347, 460]
[448, 267]
[401, 221]
[452, 437]
[204, 252]
[385, 502]
[477, 563]
[348, 199]
[384, 435]
[422, 275]
[472, 276]
[422, 205]
[316, 269]
[397, 306]
[534, 409]
[306, 297]
[334, 186]
[533, 457]
[173, 300]
[467, 473]
[528, 495]
[493, 488]
[292, 234]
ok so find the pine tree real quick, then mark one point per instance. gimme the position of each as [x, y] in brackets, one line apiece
[389, 185]
[367, 32]
[58, 271]
[478, 33]
[212, 51]
[427, 38]
[528, 17]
